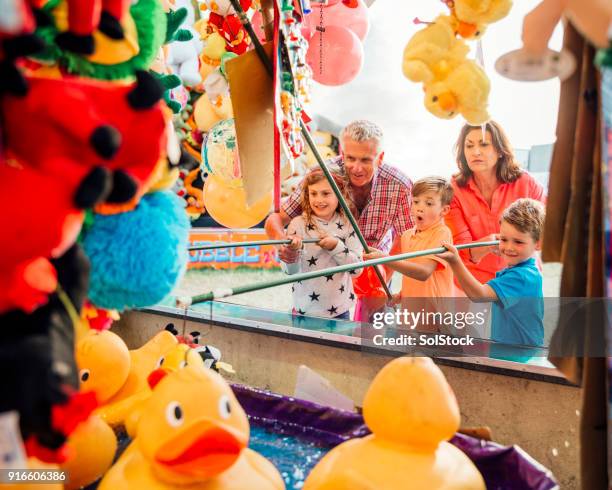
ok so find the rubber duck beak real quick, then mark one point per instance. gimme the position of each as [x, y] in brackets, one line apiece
[447, 102]
[202, 450]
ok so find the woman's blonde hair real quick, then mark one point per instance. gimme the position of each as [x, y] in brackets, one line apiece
[317, 175]
[508, 169]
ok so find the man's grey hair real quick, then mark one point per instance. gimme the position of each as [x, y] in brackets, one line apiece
[363, 130]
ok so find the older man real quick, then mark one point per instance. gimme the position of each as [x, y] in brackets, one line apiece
[382, 193]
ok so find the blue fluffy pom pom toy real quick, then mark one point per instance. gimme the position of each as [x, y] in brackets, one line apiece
[137, 257]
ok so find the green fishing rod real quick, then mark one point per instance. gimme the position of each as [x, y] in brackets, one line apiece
[186, 301]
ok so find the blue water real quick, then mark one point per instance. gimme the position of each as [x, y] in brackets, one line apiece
[293, 457]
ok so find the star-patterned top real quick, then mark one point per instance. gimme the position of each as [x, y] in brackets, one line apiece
[331, 295]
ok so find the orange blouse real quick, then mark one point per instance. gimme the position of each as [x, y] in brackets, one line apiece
[470, 217]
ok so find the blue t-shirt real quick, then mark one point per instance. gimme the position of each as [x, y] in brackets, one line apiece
[519, 313]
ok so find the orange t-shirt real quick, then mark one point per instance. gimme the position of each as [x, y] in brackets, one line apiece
[471, 218]
[440, 283]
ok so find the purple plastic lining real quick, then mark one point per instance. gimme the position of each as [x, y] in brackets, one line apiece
[502, 467]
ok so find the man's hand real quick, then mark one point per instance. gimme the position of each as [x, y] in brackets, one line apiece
[374, 253]
[494, 249]
[328, 242]
[452, 254]
[287, 254]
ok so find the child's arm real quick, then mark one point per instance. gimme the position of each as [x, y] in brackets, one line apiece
[294, 233]
[420, 272]
[477, 292]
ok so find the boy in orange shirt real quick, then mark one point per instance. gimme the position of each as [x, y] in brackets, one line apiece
[429, 276]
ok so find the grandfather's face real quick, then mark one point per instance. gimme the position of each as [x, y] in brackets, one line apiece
[361, 160]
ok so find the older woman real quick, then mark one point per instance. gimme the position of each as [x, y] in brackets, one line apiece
[489, 180]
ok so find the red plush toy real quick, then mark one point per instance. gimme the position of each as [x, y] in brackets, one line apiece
[78, 130]
[84, 16]
[231, 29]
[42, 226]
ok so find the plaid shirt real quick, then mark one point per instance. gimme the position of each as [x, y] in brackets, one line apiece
[387, 212]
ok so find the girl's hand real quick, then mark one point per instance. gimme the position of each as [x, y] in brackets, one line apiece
[452, 254]
[296, 242]
[328, 242]
[374, 253]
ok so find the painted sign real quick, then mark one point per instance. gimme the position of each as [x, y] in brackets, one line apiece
[256, 256]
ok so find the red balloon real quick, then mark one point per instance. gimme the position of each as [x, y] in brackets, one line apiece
[356, 19]
[335, 55]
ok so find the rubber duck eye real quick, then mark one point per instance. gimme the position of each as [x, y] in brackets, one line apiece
[182, 364]
[84, 374]
[160, 361]
[225, 409]
[434, 98]
[174, 414]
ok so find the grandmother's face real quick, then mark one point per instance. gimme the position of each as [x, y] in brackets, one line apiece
[480, 154]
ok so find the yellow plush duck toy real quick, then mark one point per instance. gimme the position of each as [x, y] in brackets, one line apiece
[471, 17]
[191, 434]
[432, 53]
[464, 91]
[412, 412]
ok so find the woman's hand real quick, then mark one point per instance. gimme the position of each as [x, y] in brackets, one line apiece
[328, 242]
[451, 255]
[374, 253]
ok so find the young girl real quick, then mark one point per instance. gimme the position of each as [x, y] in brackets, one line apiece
[330, 296]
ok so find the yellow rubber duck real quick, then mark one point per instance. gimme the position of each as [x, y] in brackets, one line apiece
[142, 362]
[412, 412]
[191, 434]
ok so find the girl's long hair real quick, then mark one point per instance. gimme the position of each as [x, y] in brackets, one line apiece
[317, 175]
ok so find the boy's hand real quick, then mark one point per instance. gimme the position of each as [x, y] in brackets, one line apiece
[452, 254]
[328, 242]
[374, 253]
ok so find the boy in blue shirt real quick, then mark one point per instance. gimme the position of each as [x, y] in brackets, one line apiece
[516, 291]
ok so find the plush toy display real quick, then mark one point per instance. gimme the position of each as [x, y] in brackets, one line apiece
[432, 53]
[183, 55]
[464, 91]
[88, 126]
[407, 447]
[85, 16]
[192, 432]
[40, 377]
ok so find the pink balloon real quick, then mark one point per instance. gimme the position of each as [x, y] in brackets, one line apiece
[356, 19]
[257, 23]
[340, 57]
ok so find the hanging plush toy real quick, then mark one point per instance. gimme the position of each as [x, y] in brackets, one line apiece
[138, 256]
[40, 378]
[471, 17]
[183, 55]
[26, 275]
[464, 91]
[225, 21]
[433, 52]
[89, 128]
[144, 29]
[85, 16]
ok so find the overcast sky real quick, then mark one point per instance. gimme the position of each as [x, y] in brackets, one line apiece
[415, 140]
